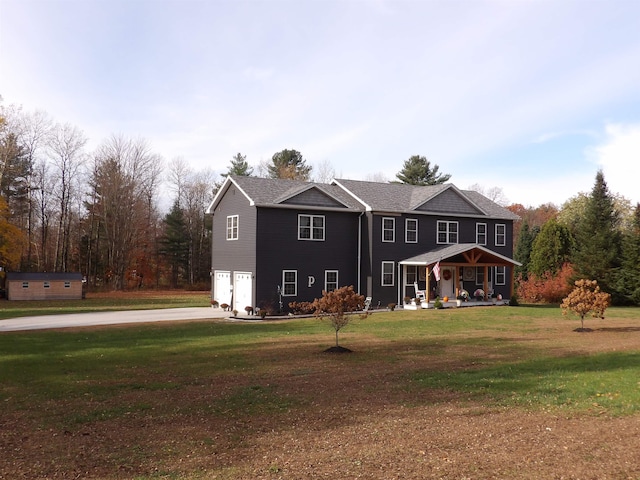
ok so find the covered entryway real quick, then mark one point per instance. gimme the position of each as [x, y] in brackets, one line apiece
[242, 291]
[461, 267]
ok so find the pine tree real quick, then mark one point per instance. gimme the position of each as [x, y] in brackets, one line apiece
[174, 244]
[289, 164]
[598, 240]
[418, 171]
[628, 279]
[239, 167]
[523, 250]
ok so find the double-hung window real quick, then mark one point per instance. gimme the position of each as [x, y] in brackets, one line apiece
[388, 229]
[501, 275]
[411, 230]
[411, 275]
[330, 280]
[232, 227]
[289, 283]
[501, 235]
[447, 232]
[311, 227]
[481, 233]
[387, 274]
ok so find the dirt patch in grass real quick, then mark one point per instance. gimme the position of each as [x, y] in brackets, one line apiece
[304, 414]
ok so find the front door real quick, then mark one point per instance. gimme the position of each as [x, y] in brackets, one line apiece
[447, 284]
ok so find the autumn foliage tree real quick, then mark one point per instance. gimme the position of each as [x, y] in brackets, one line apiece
[337, 306]
[586, 298]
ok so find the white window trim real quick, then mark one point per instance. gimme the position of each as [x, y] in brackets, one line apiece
[501, 272]
[67, 284]
[503, 235]
[414, 221]
[393, 230]
[231, 228]
[393, 274]
[46, 284]
[295, 283]
[326, 272]
[25, 284]
[478, 233]
[311, 227]
[448, 232]
[479, 276]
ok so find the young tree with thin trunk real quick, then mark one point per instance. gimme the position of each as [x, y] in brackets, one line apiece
[337, 306]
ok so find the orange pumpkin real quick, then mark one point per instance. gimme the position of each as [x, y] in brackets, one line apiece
[445, 299]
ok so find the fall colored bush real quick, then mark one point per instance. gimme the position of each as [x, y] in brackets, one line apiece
[302, 308]
[548, 288]
[586, 298]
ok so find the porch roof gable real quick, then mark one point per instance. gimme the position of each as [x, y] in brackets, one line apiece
[472, 253]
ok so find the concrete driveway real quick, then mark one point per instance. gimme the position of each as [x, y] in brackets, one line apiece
[110, 318]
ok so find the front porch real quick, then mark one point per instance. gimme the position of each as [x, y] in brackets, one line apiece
[453, 271]
[455, 304]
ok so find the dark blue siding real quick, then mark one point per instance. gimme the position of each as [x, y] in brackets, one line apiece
[278, 249]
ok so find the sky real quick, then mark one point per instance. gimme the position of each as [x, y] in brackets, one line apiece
[532, 97]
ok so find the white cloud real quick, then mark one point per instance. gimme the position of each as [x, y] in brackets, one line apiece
[619, 158]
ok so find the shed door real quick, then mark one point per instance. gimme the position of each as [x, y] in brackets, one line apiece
[222, 287]
[242, 291]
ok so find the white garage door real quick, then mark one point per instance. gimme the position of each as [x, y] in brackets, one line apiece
[242, 291]
[222, 287]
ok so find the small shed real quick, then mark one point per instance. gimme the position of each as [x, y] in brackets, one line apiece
[43, 286]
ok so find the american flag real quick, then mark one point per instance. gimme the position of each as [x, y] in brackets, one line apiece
[436, 271]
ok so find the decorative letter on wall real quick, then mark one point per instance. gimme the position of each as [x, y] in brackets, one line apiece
[312, 280]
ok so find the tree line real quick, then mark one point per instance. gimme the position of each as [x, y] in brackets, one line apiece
[63, 209]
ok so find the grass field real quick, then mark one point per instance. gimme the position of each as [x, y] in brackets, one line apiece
[487, 392]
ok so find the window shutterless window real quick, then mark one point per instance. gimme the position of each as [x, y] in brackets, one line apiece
[479, 275]
[387, 274]
[501, 275]
[501, 235]
[447, 232]
[46, 285]
[67, 284]
[311, 227]
[388, 229]
[232, 227]
[481, 233]
[25, 284]
[330, 280]
[411, 231]
[289, 283]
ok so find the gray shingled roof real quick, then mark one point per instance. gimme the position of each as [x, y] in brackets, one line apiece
[272, 191]
[399, 197]
[36, 276]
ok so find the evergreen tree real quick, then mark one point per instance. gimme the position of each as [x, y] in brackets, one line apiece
[418, 171]
[174, 244]
[239, 167]
[551, 249]
[598, 245]
[628, 279]
[289, 164]
[523, 249]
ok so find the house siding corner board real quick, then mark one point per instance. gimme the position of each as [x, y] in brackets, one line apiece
[279, 250]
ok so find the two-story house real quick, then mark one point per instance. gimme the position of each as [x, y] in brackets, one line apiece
[276, 241]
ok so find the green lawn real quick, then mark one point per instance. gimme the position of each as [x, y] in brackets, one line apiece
[500, 357]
